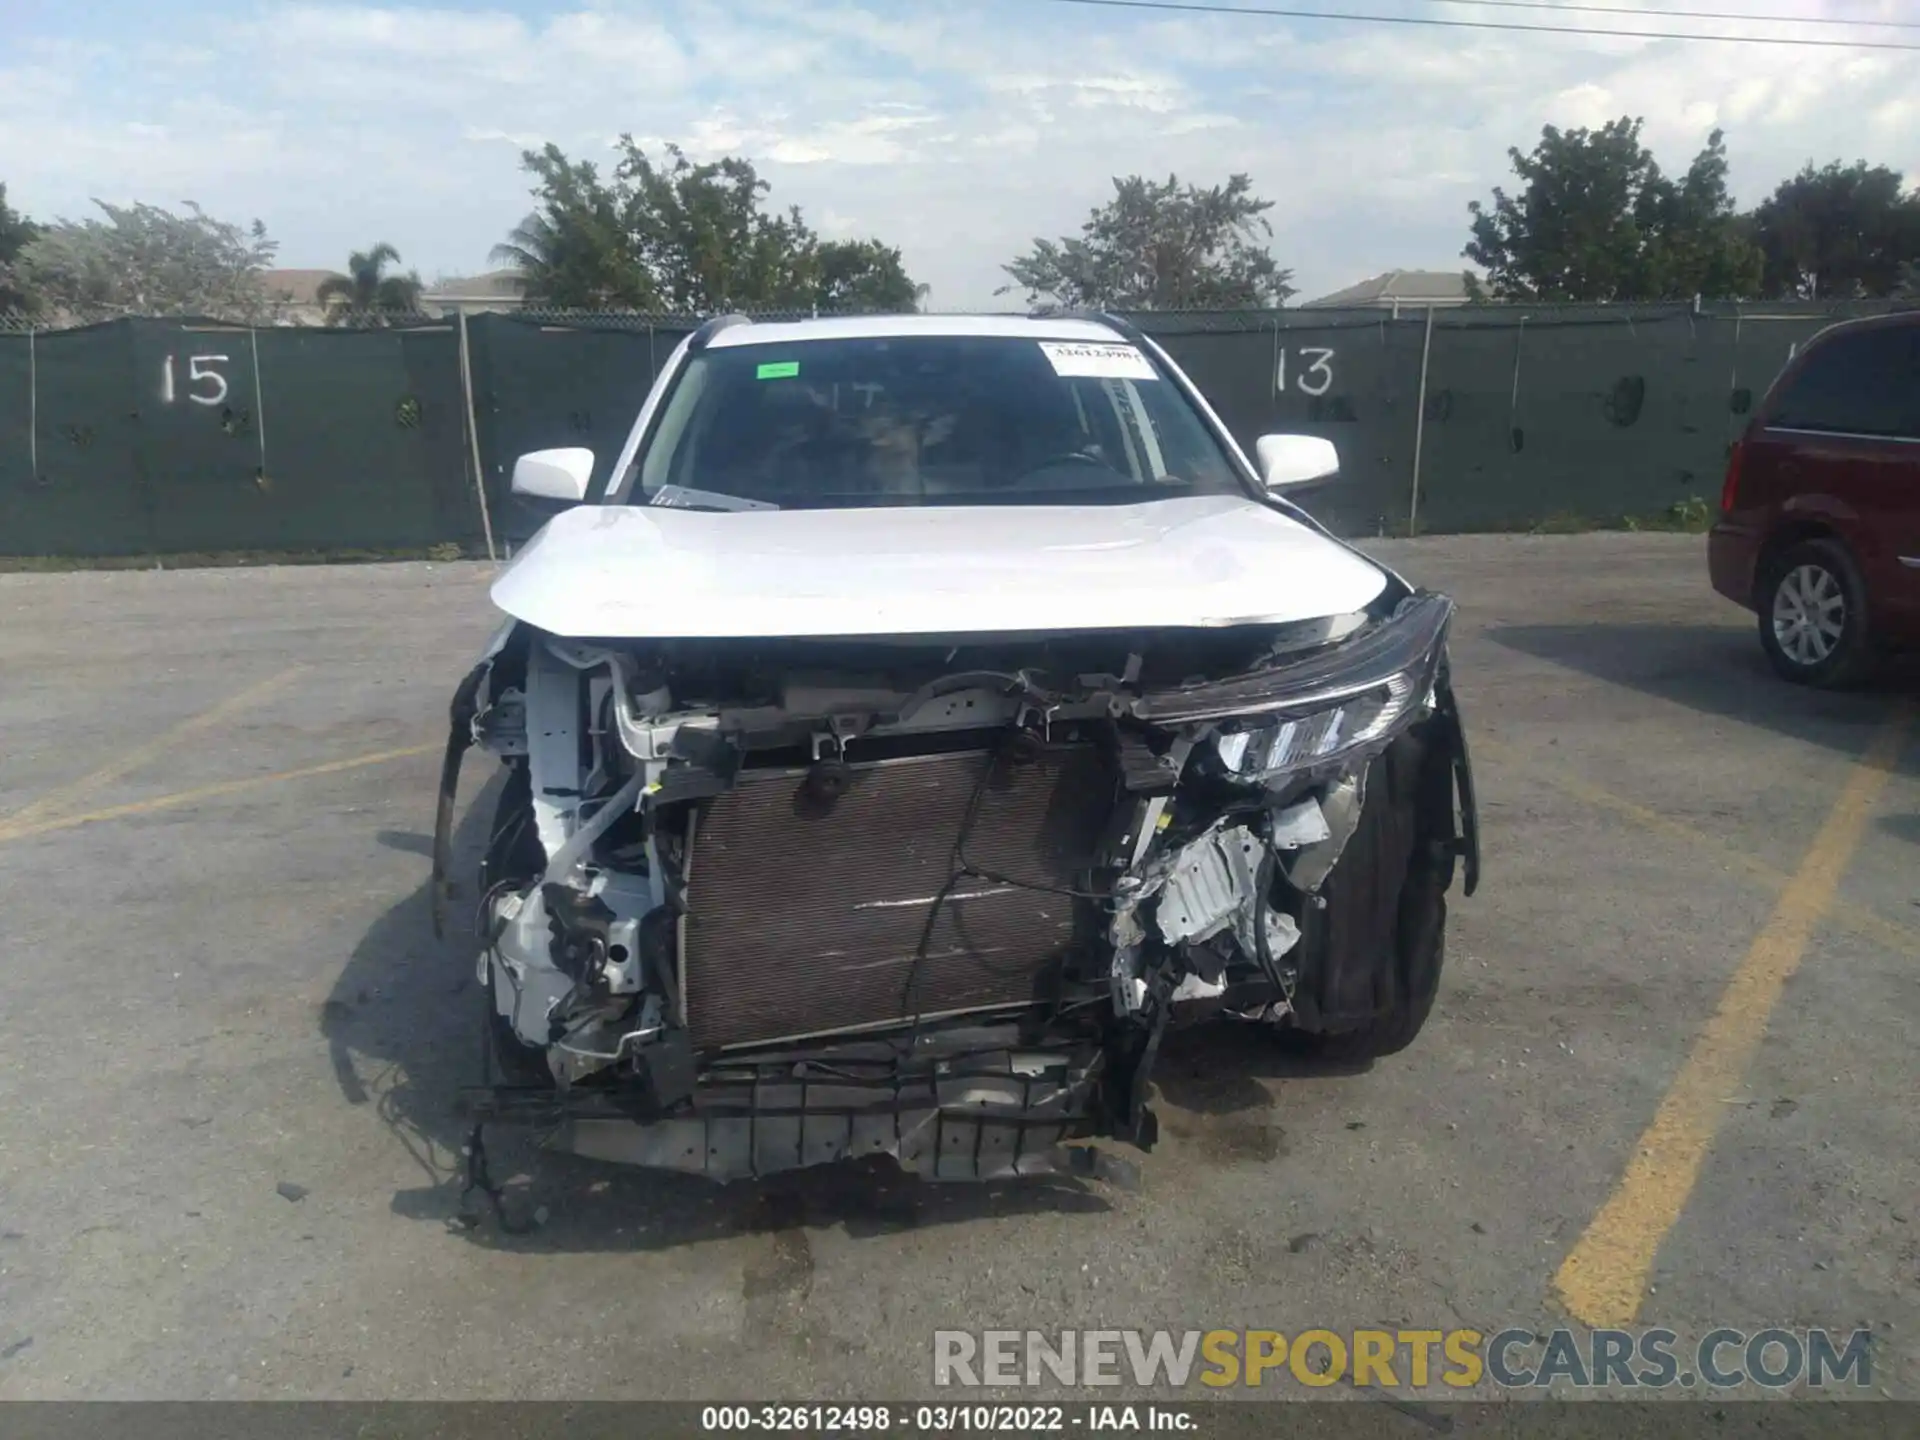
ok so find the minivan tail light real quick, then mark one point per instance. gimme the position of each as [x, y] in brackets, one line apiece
[1730, 487]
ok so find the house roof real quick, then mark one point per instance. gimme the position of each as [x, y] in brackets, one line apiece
[1410, 287]
[492, 285]
[299, 287]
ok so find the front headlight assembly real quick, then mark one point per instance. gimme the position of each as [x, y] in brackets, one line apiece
[1327, 711]
[1322, 738]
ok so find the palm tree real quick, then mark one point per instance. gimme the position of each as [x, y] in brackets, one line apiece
[366, 287]
[533, 248]
[577, 260]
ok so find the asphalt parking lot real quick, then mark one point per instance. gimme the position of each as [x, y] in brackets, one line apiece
[1675, 1041]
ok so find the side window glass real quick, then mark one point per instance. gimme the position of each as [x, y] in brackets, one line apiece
[1865, 383]
[1907, 402]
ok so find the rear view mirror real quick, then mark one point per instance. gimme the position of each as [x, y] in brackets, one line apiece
[554, 474]
[1287, 460]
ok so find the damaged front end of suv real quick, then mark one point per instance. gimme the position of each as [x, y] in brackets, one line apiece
[749, 905]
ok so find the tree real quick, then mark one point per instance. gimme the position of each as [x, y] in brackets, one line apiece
[143, 260]
[576, 252]
[1161, 247]
[15, 233]
[862, 275]
[704, 238]
[1697, 243]
[1597, 221]
[366, 287]
[678, 236]
[1840, 231]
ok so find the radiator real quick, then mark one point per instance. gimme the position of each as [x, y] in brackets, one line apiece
[803, 919]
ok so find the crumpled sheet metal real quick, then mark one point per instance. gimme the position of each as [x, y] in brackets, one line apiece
[1214, 886]
[1212, 878]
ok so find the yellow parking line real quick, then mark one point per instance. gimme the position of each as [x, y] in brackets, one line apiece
[1604, 1277]
[126, 762]
[13, 830]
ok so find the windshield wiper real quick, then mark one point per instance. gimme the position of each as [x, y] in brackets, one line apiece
[1073, 463]
[682, 497]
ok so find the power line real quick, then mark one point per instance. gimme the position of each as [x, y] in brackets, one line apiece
[1272, 12]
[1691, 14]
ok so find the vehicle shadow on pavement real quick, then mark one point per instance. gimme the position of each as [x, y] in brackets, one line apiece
[1217, 1067]
[1209, 1094]
[1716, 670]
[1901, 827]
[403, 1027]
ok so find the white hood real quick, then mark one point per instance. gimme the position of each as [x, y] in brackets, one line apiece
[636, 572]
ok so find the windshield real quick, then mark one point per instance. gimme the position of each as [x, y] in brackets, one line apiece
[928, 420]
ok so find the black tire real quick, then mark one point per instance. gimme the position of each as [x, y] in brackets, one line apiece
[513, 843]
[1807, 581]
[1381, 939]
[1416, 976]
[513, 851]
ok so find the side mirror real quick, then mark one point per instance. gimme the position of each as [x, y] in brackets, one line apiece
[554, 474]
[1288, 460]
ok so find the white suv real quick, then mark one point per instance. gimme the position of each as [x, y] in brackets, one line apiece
[933, 711]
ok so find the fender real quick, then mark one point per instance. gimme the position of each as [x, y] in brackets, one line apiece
[1468, 843]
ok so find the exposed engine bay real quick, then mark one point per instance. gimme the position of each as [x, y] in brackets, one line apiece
[750, 905]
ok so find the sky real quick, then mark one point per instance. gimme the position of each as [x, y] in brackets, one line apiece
[957, 130]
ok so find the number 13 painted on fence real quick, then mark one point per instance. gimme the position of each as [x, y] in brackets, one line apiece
[199, 370]
[1313, 379]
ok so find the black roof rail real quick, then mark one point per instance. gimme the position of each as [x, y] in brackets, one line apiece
[1068, 312]
[1124, 326]
[700, 338]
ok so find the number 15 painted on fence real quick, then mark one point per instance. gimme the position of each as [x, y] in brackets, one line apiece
[199, 370]
[1313, 379]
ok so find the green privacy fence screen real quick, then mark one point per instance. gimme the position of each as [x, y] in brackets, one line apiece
[169, 436]
[164, 436]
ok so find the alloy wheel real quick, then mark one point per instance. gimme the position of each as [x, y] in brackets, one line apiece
[1809, 614]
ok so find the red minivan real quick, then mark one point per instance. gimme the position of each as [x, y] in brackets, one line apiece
[1819, 528]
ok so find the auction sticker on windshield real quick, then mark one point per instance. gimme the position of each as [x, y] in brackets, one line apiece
[1101, 362]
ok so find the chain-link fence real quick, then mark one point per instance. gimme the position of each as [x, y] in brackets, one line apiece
[398, 431]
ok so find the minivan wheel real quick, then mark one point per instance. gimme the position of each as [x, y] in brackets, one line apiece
[1813, 616]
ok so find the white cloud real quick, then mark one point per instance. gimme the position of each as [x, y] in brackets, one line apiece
[519, 140]
[1585, 106]
[957, 132]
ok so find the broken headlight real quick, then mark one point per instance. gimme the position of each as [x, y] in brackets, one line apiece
[1330, 707]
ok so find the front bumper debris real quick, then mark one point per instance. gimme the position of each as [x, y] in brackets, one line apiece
[797, 906]
[987, 1116]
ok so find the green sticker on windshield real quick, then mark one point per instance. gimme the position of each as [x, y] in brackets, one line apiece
[779, 370]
